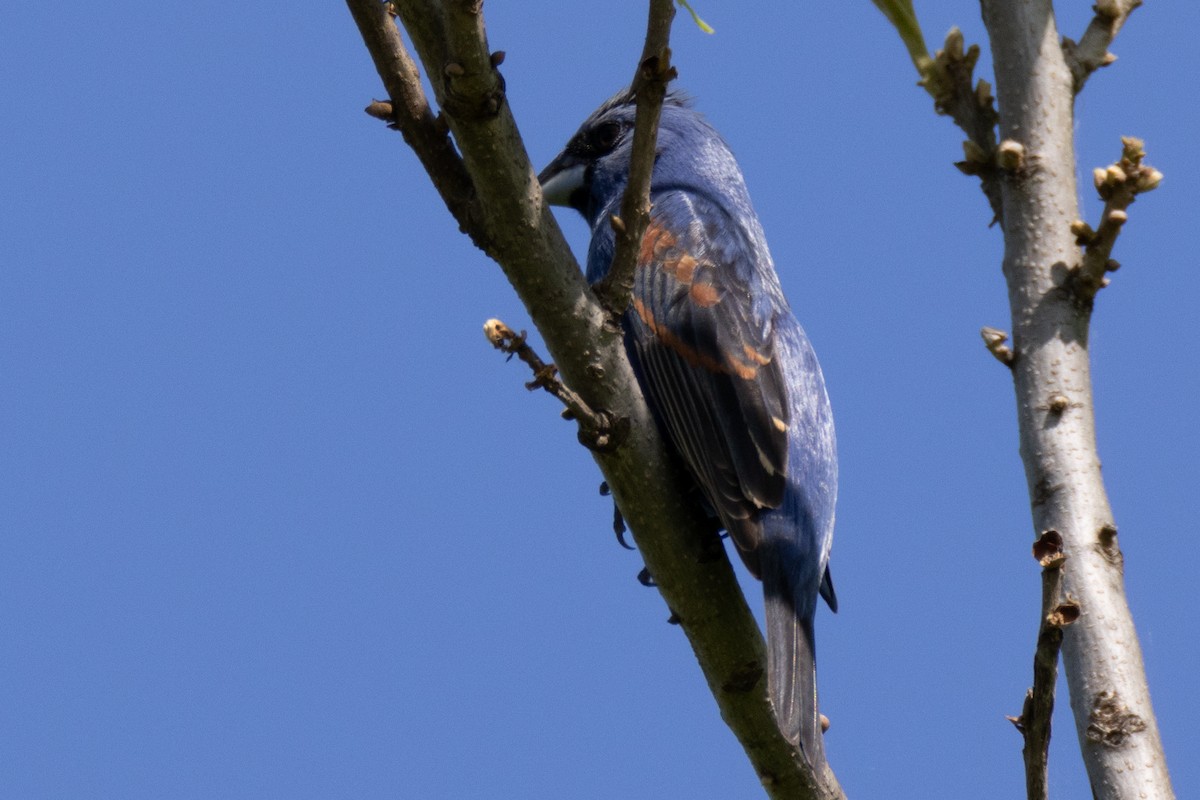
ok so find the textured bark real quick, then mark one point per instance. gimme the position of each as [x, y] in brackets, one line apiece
[1118, 734]
[508, 219]
[650, 87]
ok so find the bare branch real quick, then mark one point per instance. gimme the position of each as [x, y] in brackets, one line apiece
[949, 78]
[650, 81]
[1118, 185]
[409, 111]
[951, 82]
[597, 431]
[1114, 719]
[1057, 613]
[1091, 52]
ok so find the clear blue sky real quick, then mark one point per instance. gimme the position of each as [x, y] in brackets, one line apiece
[275, 520]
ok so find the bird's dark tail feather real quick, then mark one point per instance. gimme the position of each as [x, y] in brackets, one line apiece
[791, 662]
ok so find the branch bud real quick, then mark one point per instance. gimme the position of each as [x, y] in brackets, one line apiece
[983, 93]
[953, 47]
[974, 153]
[497, 333]
[971, 58]
[1135, 148]
[1010, 155]
[994, 339]
[381, 109]
[1082, 232]
[1148, 179]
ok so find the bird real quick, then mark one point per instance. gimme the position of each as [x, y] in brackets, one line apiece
[724, 365]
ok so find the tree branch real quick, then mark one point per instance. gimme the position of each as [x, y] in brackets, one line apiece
[596, 430]
[676, 538]
[950, 81]
[649, 85]
[1114, 719]
[1091, 52]
[409, 112]
[1118, 186]
[949, 78]
[1034, 722]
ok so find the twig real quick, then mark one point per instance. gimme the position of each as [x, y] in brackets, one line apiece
[1118, 185]
[649, 86]
[1091, 52]
[409, 112]
[951, 82]
[948, 76]
[1034, 722]
[597, 429]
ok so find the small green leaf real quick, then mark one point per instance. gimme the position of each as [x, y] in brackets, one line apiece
[701, 24]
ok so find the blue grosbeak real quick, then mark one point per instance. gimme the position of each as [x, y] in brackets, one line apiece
[726, 368]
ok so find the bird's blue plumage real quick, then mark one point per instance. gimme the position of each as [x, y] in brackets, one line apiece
[725, 366]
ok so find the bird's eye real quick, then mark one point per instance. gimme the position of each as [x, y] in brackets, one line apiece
[605, 137]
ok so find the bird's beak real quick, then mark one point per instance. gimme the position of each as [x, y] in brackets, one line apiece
[561, 178]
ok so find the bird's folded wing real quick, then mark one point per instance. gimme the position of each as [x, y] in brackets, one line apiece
[702, 327]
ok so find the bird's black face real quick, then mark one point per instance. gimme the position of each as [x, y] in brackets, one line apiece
[569, 180]
[592, 170]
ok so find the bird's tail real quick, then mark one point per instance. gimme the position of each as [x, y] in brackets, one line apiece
[791, 651]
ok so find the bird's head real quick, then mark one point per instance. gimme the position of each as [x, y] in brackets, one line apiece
[590, 173]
